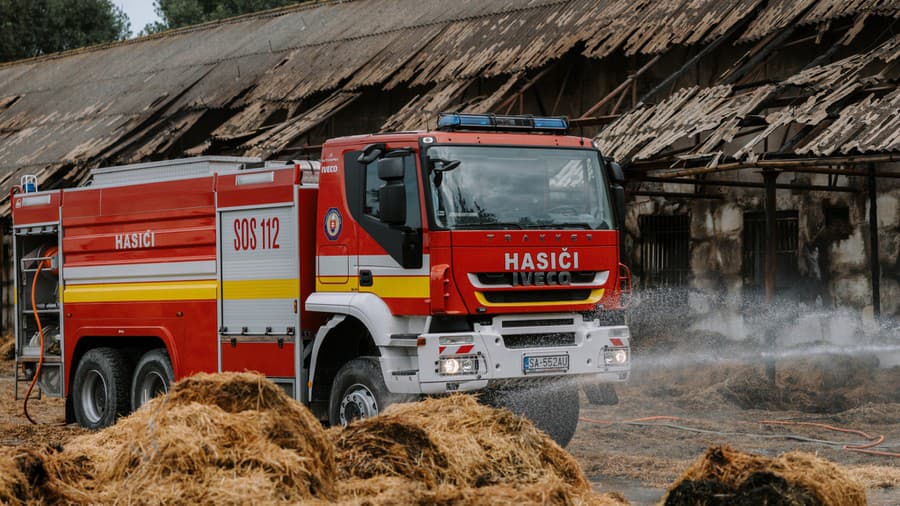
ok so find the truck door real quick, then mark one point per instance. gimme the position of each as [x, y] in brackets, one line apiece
[390, 259]
[259, 289]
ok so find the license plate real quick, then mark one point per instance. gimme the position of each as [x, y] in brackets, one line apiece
[545, 363]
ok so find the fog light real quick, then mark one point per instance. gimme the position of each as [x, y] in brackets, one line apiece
[459, 365]
[615, 356]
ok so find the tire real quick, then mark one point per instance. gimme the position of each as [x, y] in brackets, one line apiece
[100, 390]
[601, 394]
[359, 392]
[152, 376]
[552, 408]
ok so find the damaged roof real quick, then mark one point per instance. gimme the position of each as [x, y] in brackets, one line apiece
[268, 78]
[848, 106]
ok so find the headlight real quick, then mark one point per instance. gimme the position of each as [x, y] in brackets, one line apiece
[615, 356]
[459, 365]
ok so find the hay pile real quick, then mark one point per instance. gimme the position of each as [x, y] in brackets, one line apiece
[830, 384]
[727, 476]
[22, 473]
[454, 450]
[237, 438]
[7, 348]
[215, 439]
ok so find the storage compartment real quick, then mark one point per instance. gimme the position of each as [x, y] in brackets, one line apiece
[38, 307]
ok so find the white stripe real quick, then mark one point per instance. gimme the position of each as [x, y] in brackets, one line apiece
[137, 273]
[380, 265]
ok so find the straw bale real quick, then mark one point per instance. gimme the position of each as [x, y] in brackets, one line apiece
[22, 476]
[794, 478]
[214, 439]
[453, 440]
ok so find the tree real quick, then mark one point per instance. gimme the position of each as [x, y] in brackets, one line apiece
[178, 13]
[36, 27]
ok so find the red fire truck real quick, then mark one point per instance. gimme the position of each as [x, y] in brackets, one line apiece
[483, 255]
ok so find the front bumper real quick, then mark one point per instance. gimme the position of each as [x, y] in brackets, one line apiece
[587, 345]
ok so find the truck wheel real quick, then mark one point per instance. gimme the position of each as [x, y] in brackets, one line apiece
[553, 408]
[359, 392]
[601, 394]
[100, 388]
[152, 376]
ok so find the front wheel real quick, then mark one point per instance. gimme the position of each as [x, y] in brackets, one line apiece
[152, 376]
[553, 407]
[100, 388]
[359, 392]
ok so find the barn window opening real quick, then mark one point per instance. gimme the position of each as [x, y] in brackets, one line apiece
[754, 250]
[665, 251]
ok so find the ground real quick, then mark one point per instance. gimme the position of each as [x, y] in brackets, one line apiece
[641, 460]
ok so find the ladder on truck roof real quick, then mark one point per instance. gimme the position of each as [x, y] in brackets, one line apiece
[184, 168]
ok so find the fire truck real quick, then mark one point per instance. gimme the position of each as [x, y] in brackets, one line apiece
[482, 255]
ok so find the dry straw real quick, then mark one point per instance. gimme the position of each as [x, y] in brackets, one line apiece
[801, 475]
[453, 440]
[222, 439]
[237, 438]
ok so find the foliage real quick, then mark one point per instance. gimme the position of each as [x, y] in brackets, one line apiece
[35, 27]
[178, 13]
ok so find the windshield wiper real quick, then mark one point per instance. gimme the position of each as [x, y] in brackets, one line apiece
[561, 225]
[492, 225]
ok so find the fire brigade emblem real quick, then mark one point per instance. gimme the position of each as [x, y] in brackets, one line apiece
[333, 224]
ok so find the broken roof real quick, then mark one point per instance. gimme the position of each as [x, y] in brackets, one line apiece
[124, 102]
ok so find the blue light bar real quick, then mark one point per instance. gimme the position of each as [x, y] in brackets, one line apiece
[457, 121]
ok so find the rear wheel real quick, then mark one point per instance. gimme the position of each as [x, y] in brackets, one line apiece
[100, 388]
[152, 376]
[359, 392]
[553, 408]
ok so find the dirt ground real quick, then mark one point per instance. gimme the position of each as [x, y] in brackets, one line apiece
[725, 403]
[713, 403]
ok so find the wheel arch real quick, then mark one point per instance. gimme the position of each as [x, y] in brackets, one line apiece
[339, 341]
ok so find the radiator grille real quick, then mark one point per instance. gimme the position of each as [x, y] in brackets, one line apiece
[516, 341]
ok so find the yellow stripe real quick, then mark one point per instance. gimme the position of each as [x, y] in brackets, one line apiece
[138, 292]
[394, 287]
[400, 287]
[261, 289]
[595, 297]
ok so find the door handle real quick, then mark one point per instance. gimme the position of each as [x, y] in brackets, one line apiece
[365, 278]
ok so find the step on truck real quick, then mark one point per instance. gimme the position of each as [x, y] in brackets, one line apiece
[482, 256]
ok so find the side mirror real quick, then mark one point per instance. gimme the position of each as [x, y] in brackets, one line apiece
[618, 197]
[390, 169]
[615, 171]
[392, 202]
[371, 153]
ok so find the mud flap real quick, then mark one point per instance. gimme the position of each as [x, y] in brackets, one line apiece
[601, 394]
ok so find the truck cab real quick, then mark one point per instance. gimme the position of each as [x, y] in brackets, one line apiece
[483, 255]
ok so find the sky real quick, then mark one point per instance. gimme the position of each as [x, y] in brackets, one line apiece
[140, 12]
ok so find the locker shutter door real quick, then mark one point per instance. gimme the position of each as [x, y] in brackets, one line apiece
[260, 285]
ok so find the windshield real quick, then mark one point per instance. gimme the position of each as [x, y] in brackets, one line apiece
[514, 187]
